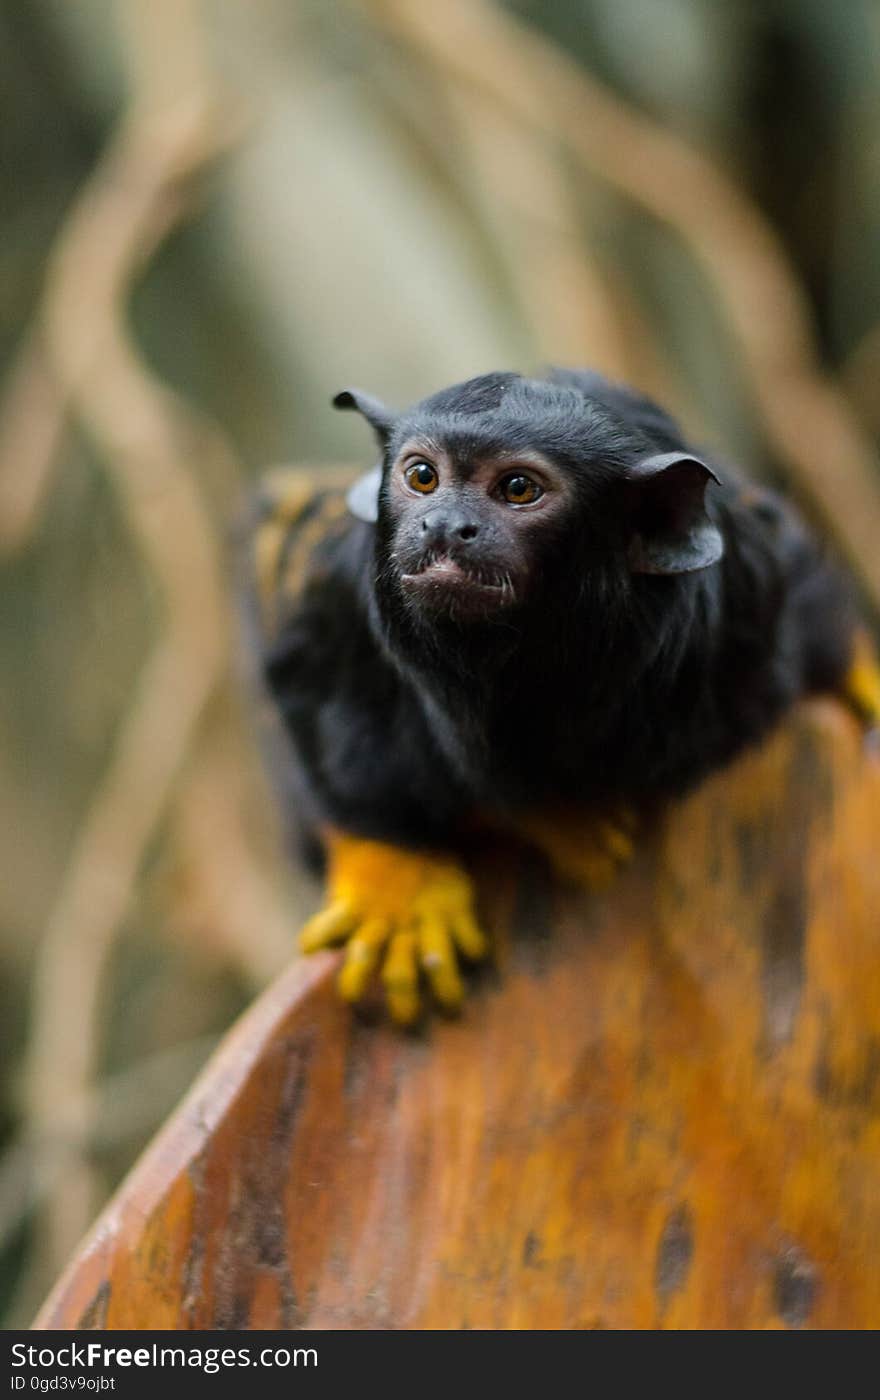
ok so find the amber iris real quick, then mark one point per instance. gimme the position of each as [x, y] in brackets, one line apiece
[421, 477]
[519, 490]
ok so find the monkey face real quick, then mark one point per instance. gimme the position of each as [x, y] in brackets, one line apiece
[465, 524]
[503, 494]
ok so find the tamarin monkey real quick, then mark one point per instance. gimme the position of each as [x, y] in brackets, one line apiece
[543, 610]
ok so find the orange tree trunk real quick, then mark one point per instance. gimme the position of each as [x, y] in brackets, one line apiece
[665, 1110]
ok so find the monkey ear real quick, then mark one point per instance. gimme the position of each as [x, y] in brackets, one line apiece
[380, 418]
[671, 531]
[363, 497]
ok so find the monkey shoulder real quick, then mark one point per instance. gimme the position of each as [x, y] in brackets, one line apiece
[309, 568]
[788, 612]
[363, 752]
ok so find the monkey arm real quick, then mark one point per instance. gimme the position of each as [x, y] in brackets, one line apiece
[589, 849]
[359, 757]
[399, 910]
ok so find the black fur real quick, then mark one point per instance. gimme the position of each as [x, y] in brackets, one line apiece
[598, 683]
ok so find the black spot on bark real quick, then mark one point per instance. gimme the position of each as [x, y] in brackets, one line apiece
[290, 1100]
[675, 1251]
[95, 1315]
[354, 1068]
[532, 920]
[784, 855]
[749, 838]
[254, 1240]
[783, 935]
[861, 1089]
[795, 1285]
[531, 1249]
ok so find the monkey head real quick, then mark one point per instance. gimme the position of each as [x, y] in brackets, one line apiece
[503, 496]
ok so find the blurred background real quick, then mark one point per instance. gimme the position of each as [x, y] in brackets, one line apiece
[214, 215]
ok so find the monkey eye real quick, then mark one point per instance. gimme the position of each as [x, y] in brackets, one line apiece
[421, 477]
[520, 490]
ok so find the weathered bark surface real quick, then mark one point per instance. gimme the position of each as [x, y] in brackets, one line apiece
[665, 1111]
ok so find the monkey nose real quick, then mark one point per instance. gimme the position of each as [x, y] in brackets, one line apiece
[438, 525]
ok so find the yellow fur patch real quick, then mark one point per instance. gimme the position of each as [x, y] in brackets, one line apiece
[284, 541]
[330, 510]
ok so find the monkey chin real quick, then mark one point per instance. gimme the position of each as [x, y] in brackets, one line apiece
[443, 585]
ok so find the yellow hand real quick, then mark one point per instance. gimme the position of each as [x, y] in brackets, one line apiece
[403, 910]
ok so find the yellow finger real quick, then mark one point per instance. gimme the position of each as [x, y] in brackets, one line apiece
[400, 975]
[863, 689]
[468, 936]
[361, 957]
[437, 953]
[330, 926]
[616, 841]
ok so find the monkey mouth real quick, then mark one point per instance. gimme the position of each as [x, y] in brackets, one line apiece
[440, 579]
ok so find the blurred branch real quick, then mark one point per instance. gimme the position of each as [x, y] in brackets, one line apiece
[579, 311]
[36, 404]
[35, 409]
[537, 230]
[32, 425]
[175, 127]
[861, 376]
[221, 892]
[127, 1104]
[806, 417]
[521, 192]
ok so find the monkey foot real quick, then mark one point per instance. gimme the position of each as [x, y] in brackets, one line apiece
[862, 684]
[398, 912]
[587, 850]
